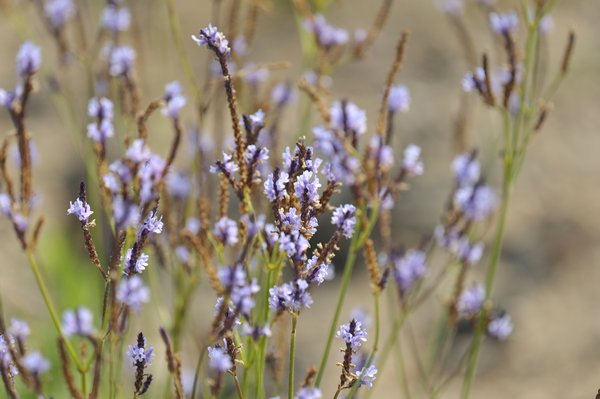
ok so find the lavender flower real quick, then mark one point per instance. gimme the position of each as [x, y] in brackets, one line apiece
[500, 327]
[211, 37]
[474, 81]
[409, 268]
[256, 331]
[306, 188]
[152, 224]
[399, 99]
[476, 202]
[291, 296]
[102, 110]
[293, 244]
[140, 263]
[126, 214]
[451, 7]
[132, 292]
[318, 273]
[7, 98]
[18, 329]
[178, 185]
[80, 209]
[174, 99]
[326, 35]
[35, 363]
[505, 23]
[78, 322]
[308, 393]
[254, 74]
[138, 152]
[383, 154]
[115, 19]
[228, 166]
[121, 61]
[367, 376]
[352, 334]
[29, 59]
[282, 94]
[275, 185]
[471, 300]
[343, 217]
[226, 231]
[412, 163]
[59, 12]
[468, 252]
[466, 169]
[255, 154]
[193, 225]
[183, 254]
[139, 353]
[219, 359]
[347, 116]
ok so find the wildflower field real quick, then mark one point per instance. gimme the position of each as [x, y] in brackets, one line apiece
[299, 199]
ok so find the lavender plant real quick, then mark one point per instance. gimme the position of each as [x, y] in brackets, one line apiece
[264, 225]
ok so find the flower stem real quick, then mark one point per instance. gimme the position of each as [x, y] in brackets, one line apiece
[52, 310]
[292, 357]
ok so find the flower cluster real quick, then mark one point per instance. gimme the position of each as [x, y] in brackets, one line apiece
[101, 111]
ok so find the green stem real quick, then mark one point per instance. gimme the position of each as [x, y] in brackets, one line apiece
[259, 391]
[52, 310]
[292, 357]
[348, 267]
[489, 283]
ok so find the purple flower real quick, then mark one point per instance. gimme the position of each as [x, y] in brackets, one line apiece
[367, 376]
[115, 19]
[451, 7]
[500, 327]
[306, 188]
[126, 214]
[140, 263]
[256, 331]
[275, 185]
[343, 217]
[219, 359]
[282, 94]
[100, 132]
[174, 100]
[546, 24]
[132, 292]
[290, 220]
[308, 393]
[318, 273]
[211, 37]
[505, 23]
[409, 268]
[193, 225]
[412, 163]
[346, 116]
[474, 81]
[468, 252]
[228, 166]
[7, 98]
[352, 333]
[121, 61]
[78, 322]
[326, 35]
[382, 154]
[255, 154]
[178, 185]
[476, 202]
[80, 209]
[471, 300]
[29, 59]
[466, 169]
[399, 99]
[35, 363]
[152, 224]
[253, 223]
[138, 152]
[254, 74]
[139, 354]
[20, 221]
[18, 329]
[226, 231]
[291, 296]
[293, 244]
[59, 12]
[182, 253]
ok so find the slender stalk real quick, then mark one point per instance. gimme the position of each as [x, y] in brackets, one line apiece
[237, 387]
[52, 310]
[292, 357]
[348, 267]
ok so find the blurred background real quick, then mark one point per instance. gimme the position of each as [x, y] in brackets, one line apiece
[550, 264]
